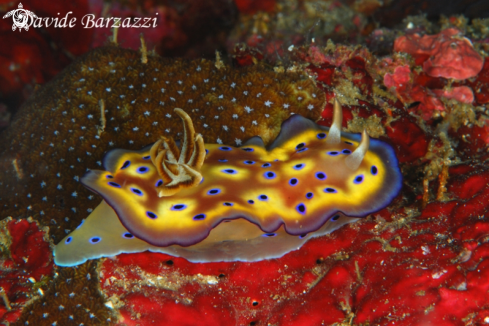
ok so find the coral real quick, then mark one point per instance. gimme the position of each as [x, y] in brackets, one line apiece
[294, 23]
[187, 28]
[401, 82]
[72, 298]
[432, 90]
[448, 54]
[462, 94]
[245, 56]
[35, 56]
[25, 265]
[481, 84]
[394, 12]
[165, 26]
[250, 7]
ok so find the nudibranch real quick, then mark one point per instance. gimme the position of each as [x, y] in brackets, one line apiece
[211, 202]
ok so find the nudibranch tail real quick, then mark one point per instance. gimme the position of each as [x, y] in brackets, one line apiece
[242, 203]
[179, 169]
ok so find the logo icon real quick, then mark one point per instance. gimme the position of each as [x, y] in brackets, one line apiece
[22, 18]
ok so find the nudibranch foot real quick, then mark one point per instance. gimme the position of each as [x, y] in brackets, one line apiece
[226, 242]
[251, 202]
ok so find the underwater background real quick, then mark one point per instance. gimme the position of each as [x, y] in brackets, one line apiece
[413, 74]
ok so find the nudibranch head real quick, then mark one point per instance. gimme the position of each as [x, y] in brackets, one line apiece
[239, 203]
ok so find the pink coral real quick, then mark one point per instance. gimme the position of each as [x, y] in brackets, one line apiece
[450, 55]
[462, 94]
[401, 82]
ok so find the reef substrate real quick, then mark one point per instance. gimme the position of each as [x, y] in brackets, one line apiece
[421, 260]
